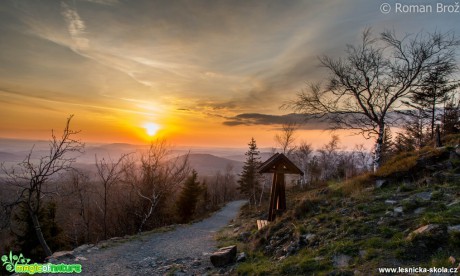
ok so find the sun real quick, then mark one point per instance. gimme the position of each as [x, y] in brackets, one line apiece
[151, 128]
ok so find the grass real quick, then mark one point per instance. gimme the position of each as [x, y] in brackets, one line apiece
[352, 218]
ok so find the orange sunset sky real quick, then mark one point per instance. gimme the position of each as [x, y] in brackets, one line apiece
[200, 73]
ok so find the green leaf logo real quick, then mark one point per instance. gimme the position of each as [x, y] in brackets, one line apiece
[10, 261]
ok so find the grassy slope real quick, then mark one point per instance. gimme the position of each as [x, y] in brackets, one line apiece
[353, 219]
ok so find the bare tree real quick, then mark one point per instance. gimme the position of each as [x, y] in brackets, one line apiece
[109, 173]
[373, 78]
[158, 177]
[31, 176]
[286, 138]
[302, 156]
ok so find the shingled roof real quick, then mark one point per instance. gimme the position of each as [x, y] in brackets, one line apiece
[279, 163]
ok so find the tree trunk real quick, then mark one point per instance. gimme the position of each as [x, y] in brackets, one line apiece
[38, 232]
[378, 148]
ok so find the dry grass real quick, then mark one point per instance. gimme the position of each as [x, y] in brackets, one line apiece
[356, 185]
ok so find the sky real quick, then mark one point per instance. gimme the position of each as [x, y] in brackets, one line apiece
[199, 73]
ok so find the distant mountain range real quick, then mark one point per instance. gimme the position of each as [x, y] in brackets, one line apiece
[206, 161]
[208, 164]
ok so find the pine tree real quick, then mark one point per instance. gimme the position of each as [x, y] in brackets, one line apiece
[451, 118]
[435, 90]
[188, 198]
[249, 183]
[25, 231]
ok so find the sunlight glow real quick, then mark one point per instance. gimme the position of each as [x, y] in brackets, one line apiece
[151, 128]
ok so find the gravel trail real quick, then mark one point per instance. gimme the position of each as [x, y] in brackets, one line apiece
[182, 251]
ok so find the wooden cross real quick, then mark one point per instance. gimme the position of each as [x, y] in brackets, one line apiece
[279, 165]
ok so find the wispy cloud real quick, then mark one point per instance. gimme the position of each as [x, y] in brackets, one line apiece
[75, 26]
[104, 2]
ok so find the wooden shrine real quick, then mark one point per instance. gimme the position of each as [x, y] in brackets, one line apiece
[279, 165]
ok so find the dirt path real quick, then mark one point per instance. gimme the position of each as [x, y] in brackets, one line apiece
[182, 251]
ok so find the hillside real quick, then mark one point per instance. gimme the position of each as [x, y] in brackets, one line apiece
[208, 165]
[407, 215]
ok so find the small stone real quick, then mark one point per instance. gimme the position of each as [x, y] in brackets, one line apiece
[241, 257]
[244, 237]
[398, 211]
[84, 247]
[62, 255]
[341, 261]
[80, 258]
[419, 210]
[379, 183]
[390, 202]
[452, 260]
[196, 263]
[424, 195]
[455, 228]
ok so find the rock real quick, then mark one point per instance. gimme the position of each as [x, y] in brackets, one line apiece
[83, 247]
[148, 262]
[429, 229]
[390, 202]
[180, 273]
[242, 257]
[62, 255]
[80, 258]
[244, 237]
[424, 195]
[224, 256]
[306, 239]
[341, 261]
[419, 210]
[454, 229]
[379, 183]
[452, 260]
[196, 263]
[426, 239]
[398, 211]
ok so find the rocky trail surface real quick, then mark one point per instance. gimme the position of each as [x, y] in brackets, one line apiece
[182, 251]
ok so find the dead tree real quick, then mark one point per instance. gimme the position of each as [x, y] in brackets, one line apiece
[158, 177]
[371, 80]
[30, 177]
[109, 173]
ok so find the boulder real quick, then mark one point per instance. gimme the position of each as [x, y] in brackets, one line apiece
[224, 256]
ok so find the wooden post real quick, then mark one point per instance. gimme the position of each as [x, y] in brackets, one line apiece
[277, 196]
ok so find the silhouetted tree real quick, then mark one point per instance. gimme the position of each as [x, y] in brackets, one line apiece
[366, 85]
[451, 117]
[249, 183]
[434, 91]
[31, 177]
[188, 197]
[286, 138]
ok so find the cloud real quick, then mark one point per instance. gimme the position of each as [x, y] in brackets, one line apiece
[268, 119]
[104, 2]
[75, 26]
